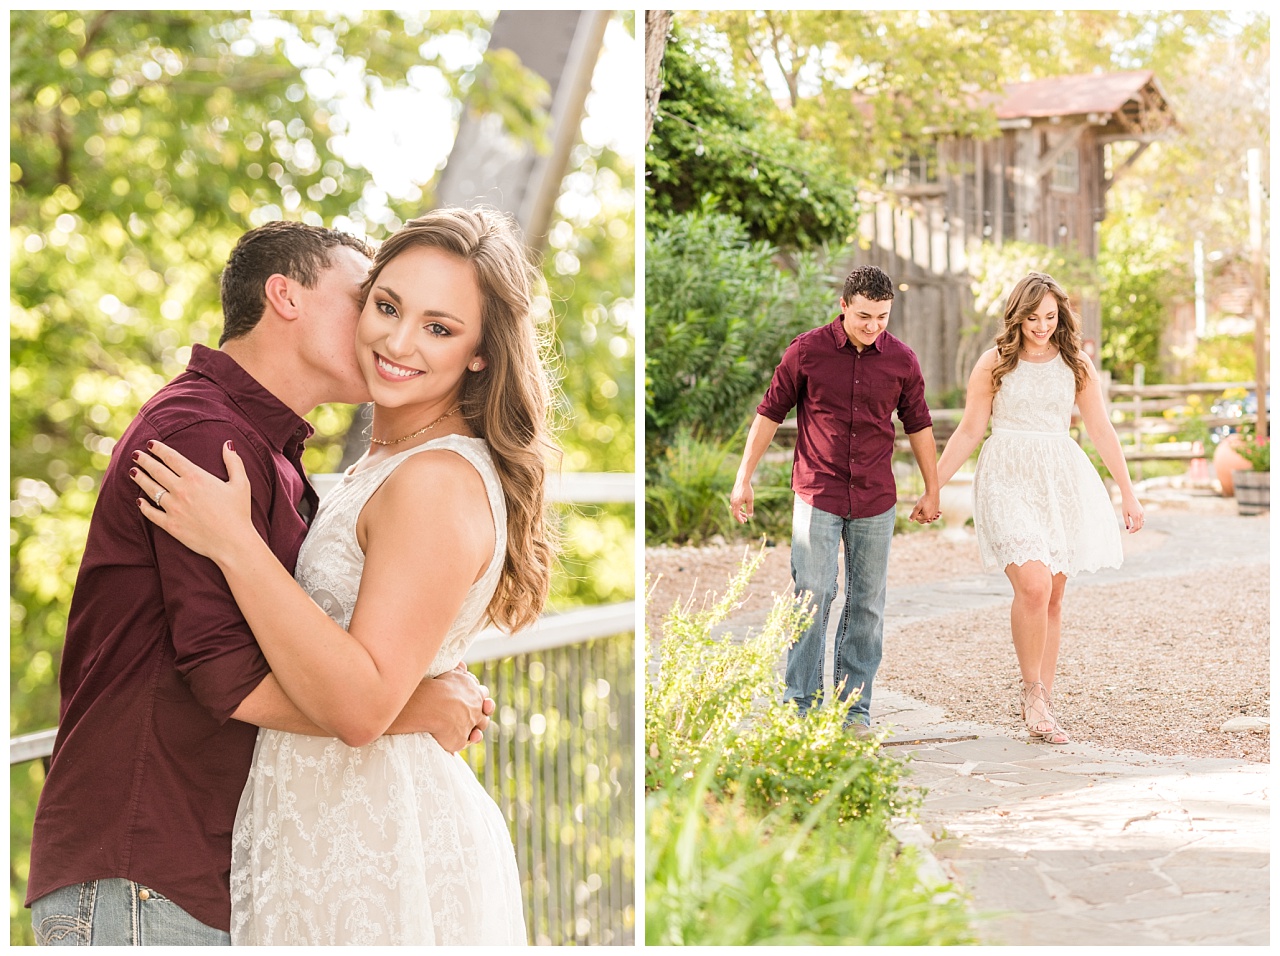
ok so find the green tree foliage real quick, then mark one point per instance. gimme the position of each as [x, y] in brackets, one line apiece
[142, 145]
[713, 142]
[867, 83]
[1139, 270]
[719, 313]
[1193, 185]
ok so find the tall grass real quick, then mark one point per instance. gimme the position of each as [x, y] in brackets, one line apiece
[764, 827]
[687, 489]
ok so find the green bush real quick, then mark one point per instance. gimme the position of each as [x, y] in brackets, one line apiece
[719, 698]
[1223, 358]
[763, 827]
[687, 491]
[717, 877]
[719, 312]
[711, 138]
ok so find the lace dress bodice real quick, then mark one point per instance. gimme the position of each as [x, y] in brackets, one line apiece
[1037, 496]
[330, 562]
[1035, 397]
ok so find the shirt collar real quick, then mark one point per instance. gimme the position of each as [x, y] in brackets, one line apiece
[842, 337]
[278, 422]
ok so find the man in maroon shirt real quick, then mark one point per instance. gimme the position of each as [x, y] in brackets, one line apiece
[163, 686]
[845, 380]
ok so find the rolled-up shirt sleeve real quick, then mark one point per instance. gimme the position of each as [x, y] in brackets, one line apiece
[913, 411]
[784, 389]
[214, 649]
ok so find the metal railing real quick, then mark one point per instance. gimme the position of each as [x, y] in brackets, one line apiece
[558, 757]
[559, 760]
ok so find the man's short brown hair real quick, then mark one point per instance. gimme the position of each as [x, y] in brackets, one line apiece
[292, 249]
[869, 282]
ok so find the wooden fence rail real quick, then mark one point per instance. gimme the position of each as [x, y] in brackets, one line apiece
[1138, 417]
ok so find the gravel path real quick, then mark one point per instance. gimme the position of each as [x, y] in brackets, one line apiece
[695, 573]
[1154, 664]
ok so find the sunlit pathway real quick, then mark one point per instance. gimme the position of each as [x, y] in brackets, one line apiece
[1086, 846]
[1082, 845]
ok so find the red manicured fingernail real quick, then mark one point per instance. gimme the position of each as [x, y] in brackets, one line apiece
[133, 472]
[231, 445]
[150, 445]
[135, 455]
[139, 502]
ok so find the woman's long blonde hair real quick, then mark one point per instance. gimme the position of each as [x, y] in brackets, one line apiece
[508, 403]
[1024, 300]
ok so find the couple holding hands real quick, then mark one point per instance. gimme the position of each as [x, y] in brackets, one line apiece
[1041, 512]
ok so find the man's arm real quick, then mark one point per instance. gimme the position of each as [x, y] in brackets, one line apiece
[781, 396]
[453, 708]
[913, 412]
[742, 500]
[926, 455]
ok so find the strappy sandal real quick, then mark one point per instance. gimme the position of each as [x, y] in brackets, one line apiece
[1034, 691]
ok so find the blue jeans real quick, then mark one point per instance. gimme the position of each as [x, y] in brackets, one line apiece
[815, 543]
[117, 912]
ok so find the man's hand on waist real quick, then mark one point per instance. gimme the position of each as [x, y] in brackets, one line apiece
[453, 707]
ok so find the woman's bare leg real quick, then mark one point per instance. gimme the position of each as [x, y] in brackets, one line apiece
[1029, 616]
[1029, 621]
[1053, 633]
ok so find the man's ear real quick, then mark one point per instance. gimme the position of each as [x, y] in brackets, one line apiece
[843, 306]
[282, 296]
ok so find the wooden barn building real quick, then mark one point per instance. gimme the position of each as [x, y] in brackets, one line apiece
[1043, 180]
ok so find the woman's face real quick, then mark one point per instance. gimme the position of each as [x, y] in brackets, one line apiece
[1038, 327]
[419, 331]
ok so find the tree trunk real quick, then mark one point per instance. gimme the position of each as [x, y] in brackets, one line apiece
[657, 23]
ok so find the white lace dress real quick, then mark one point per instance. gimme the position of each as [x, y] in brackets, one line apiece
[1036, 495]
[395, 842]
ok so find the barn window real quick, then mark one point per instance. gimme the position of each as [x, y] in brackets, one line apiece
[919, 167]
[1066, 171]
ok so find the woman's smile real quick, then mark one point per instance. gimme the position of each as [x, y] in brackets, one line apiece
[392, 372]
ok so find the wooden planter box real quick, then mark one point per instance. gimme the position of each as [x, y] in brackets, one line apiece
[1253, 491]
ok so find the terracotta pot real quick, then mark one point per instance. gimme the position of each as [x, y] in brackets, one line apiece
[1253, 491]
[1227, 460]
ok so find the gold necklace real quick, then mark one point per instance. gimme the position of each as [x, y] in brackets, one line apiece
[424, 428]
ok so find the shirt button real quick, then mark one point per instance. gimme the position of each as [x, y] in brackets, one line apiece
[144, 894]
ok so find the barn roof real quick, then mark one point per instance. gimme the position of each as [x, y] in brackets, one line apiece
[1075, 95]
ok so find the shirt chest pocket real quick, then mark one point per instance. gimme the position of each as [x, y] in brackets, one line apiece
[879, 393]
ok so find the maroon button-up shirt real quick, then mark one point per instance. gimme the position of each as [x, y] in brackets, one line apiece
[844, 400]
[147, 768]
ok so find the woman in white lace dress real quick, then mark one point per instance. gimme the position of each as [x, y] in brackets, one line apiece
[364, 837]
[1040, 510]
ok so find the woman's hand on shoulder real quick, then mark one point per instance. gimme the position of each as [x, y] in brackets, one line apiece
[208, 515]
